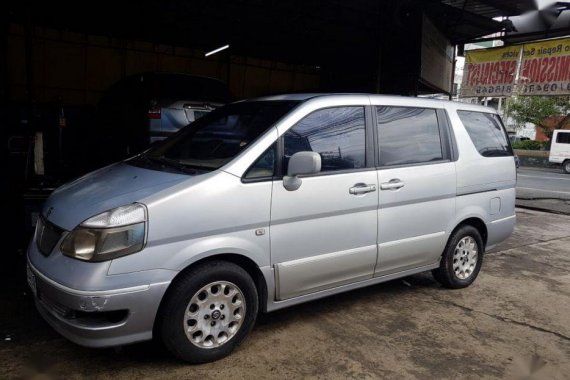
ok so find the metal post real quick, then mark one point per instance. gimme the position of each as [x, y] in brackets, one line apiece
[453, 64]
[28, 49]
[379, 68]
[28, 46]
[4, 81]
[229, 67]
[379, 54]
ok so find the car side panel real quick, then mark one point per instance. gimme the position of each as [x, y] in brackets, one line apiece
[476, 173]
[321, 235]
[412, 220]
[485, 186]
[218, 215]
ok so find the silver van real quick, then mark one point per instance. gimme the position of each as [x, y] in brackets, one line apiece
[267, 203]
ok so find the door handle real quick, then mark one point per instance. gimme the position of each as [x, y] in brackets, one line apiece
[361, 188]
[394, 184]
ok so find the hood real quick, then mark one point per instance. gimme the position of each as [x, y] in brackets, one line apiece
[104, 189]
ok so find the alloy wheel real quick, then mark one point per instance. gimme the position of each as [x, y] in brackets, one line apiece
[465, 257]
[214, 314]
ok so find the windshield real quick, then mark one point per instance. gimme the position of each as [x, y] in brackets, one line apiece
[218, 137]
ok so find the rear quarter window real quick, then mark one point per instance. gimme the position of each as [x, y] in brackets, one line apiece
[487, 133]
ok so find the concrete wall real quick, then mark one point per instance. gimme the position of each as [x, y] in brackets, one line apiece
[534, 158]
[79, 67]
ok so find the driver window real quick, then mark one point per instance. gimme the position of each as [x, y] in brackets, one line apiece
[337, 134]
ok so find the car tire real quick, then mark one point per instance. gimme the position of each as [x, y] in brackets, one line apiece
[208, 312]
[462, 258]
[566, 166]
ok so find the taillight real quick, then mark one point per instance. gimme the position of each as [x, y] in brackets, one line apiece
[154, 113]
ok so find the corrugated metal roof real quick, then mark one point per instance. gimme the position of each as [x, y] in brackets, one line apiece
[286, 31]
[464, 20]
[493, 8]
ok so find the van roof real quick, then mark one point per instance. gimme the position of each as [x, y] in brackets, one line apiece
[390, 99]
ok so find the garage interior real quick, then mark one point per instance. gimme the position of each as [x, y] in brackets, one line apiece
[362, 46]
[60, 58]
[57, 60]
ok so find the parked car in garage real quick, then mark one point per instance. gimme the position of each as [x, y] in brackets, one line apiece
[144, 108]
[265, 204]
[560, 149]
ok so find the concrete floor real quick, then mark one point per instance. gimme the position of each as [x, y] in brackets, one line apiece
[513, 322]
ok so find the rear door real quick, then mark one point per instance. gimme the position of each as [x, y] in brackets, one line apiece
[323, 234]
[417, 182]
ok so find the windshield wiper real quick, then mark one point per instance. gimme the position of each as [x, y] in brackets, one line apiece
[172, 163]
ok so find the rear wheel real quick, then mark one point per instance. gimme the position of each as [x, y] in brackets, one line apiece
[208, 312]
[462, 258]
[566, 166]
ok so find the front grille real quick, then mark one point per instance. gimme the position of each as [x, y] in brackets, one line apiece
[47, 236]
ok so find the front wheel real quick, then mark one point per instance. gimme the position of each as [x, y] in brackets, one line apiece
[208, 312]
[462, 258]
[566, 166]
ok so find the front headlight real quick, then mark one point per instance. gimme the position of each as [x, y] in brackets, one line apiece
[111, 234]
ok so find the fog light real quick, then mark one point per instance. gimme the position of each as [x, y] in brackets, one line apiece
[93, 303]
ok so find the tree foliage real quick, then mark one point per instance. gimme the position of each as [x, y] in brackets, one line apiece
[536, 109]
[529, 145]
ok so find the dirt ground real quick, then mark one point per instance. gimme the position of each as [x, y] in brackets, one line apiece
[513, 322]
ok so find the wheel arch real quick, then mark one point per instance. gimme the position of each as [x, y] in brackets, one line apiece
[566, 161]
[240, 260]
[475, 222]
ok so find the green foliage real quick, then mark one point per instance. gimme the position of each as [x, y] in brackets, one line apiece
[535, 109]
[529, 145]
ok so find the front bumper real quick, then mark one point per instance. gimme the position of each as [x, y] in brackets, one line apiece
[98, 318]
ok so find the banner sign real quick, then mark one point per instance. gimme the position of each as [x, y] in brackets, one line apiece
[538, 68]
[545, 68]
[490, 72]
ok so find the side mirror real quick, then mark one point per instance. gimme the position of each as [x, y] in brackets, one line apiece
[301, 163]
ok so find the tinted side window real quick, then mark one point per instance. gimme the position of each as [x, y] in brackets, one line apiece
[408, 135]
[337, 134]
[487, 133]
[264, 166]
[563, 137]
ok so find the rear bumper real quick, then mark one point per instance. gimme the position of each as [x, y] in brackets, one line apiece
[98, 318]
[499, 230]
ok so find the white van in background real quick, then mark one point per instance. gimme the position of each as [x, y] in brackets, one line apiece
[560, 149]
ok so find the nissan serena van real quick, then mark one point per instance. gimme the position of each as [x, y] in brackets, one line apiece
[267, 203]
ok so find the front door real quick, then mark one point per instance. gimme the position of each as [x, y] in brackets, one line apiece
[323, 234]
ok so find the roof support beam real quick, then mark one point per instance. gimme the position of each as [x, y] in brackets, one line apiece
[540, 35]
